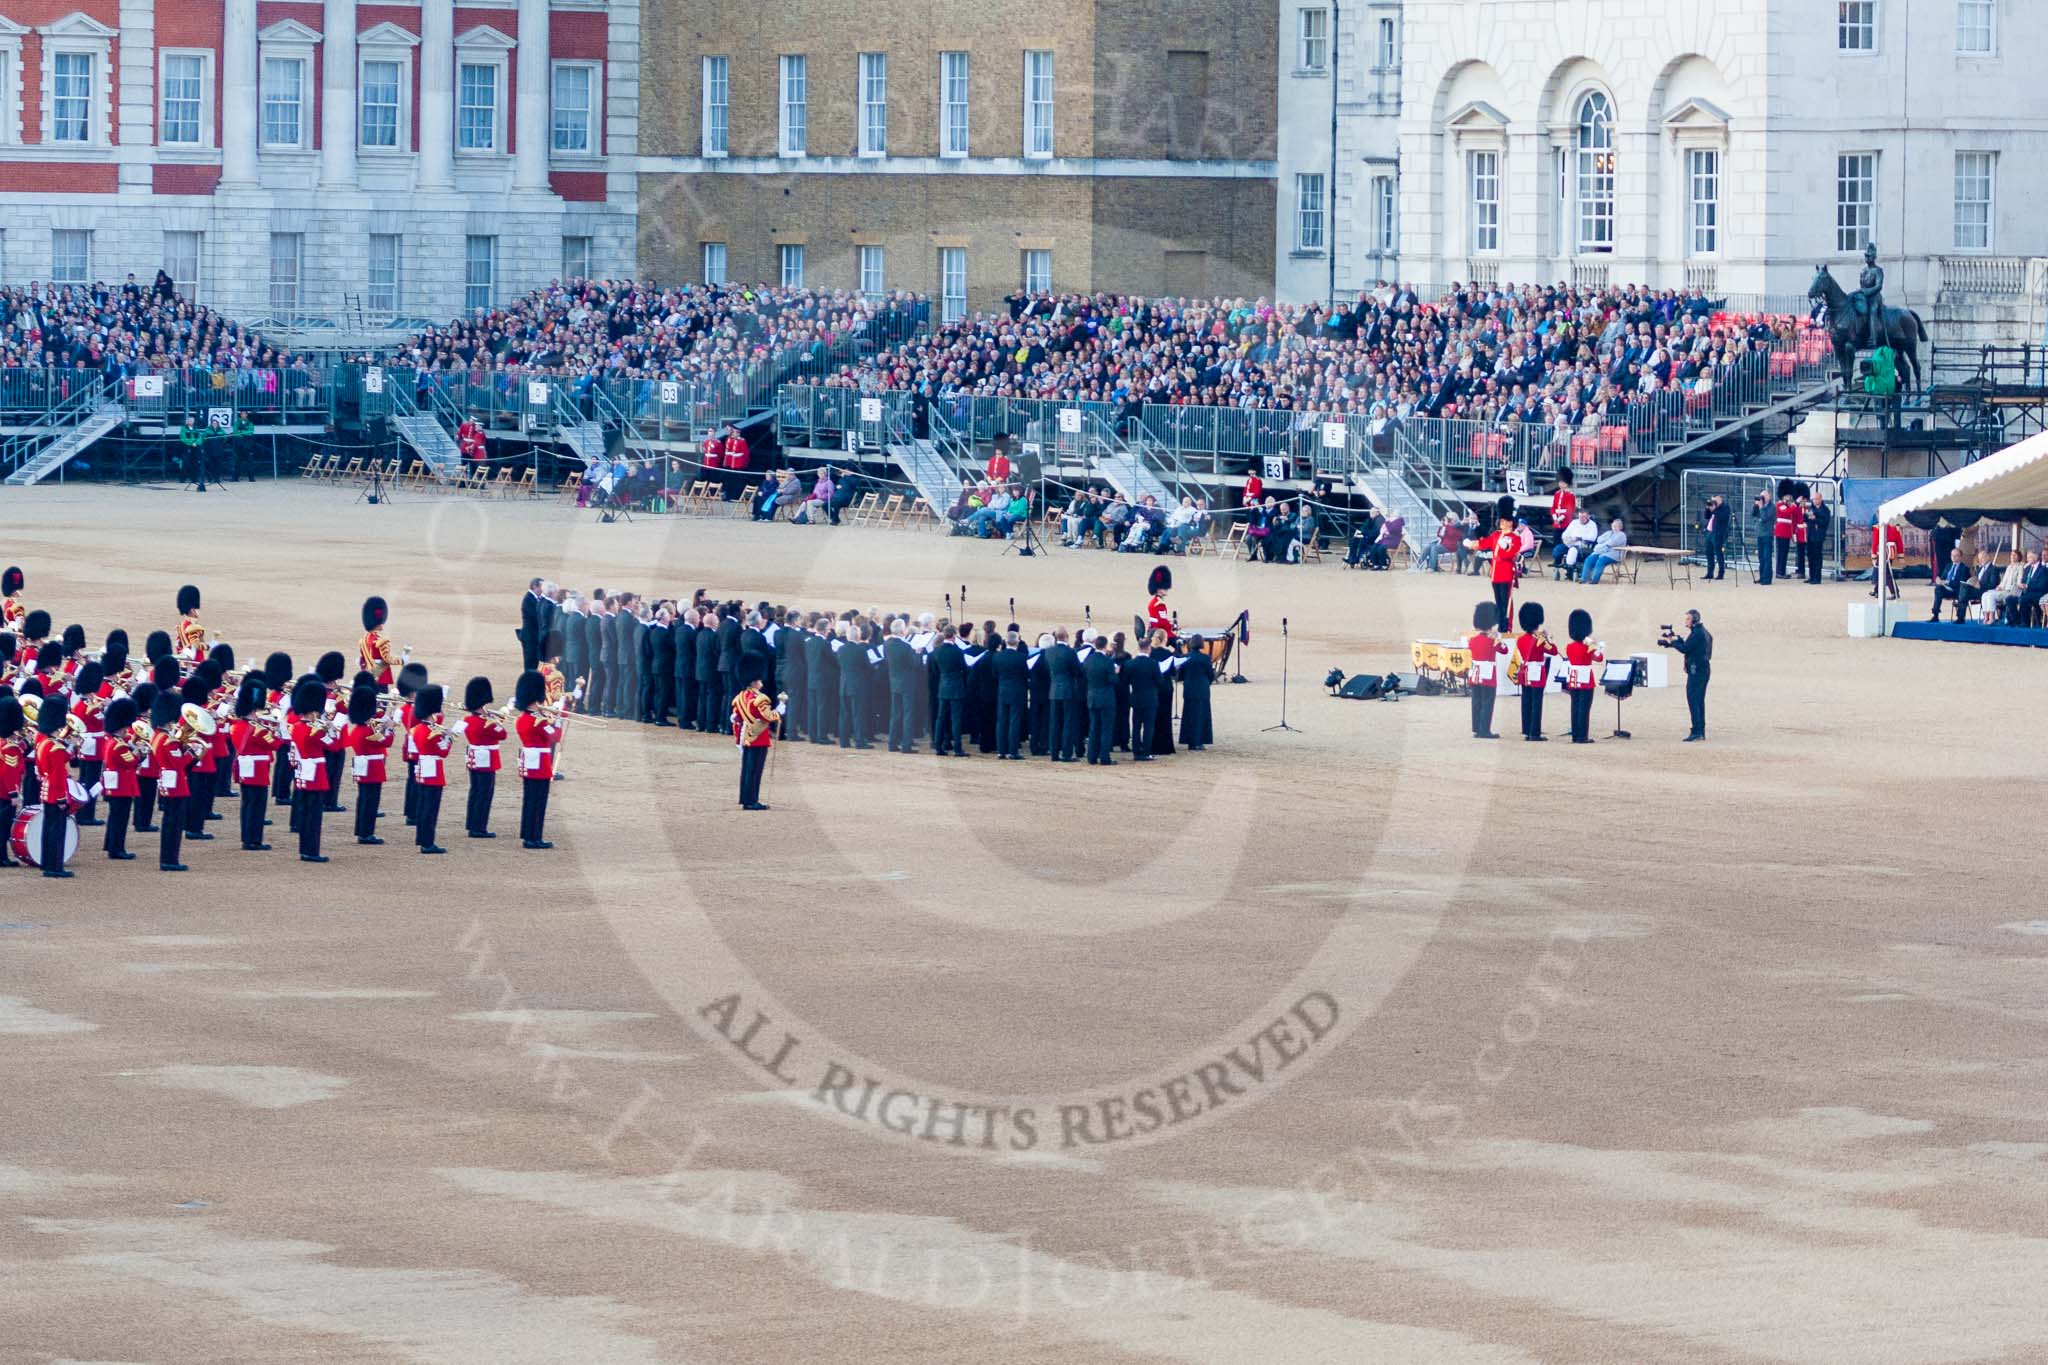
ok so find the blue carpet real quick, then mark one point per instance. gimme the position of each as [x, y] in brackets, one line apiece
[1969, 633]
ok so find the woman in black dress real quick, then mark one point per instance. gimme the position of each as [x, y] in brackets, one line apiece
[1120, 738]
[1196, 675]
[1162, 727]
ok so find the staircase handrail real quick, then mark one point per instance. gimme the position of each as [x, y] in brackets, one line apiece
[67, 412]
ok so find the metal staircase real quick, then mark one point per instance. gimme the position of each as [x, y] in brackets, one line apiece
[425, 434]
[927, 468]
[57, 436]
[586, 438]
[1124, 466]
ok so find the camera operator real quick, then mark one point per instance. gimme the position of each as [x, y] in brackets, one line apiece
[1764, 513]
[1697, 646]
[1714, 536]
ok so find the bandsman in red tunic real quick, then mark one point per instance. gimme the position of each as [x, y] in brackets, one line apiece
[172, 758]
[1157, 616]
[431, 743]
[539, 733]
[53, 772]
[1533, 653]
[90, 707]
[188, 642]
[374, 653]
[308, 734]
[28, 643]
[481, 736]
[11, 608]
[256, 742]
[753, 730]
[1505, 545]
[1582, 662]
[14, 759]
[368, 739]
[1484, 680]
[121, 755]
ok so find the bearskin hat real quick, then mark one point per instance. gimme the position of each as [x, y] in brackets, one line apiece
[477, 694]
[222, 654]
[156, 644]
[9, 646]
[117, 636]
[308, 697]
[1161, 580]
[10, 581]
[209, 674]
[143, 695]
[49, 656]
[362, 704]
[10, 717]
[163, 709]
[1564, 476]
[188, 599]
[1530, 615]
[364, 678]
[1579, 624]
[251, 697]
[277, 671]
[427, 701]
[1802, 489]
[86, 682]
[74, 638]
[29, 687]
[55, 711]
[1504, 508]
[114, 659]
[194, 690]
[1484, 615]
[330, 666]
[165, 672]
[530, 688]
[1784, 488]
[36, 625]
[121, 713]
[411, 679]
[375, 612]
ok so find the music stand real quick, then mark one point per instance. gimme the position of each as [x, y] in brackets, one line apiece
[1619, 679]
[1283, 725]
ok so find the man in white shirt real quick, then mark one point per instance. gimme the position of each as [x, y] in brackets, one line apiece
[1574, 543]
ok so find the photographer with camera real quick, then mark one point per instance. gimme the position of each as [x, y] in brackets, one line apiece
[1697, 647]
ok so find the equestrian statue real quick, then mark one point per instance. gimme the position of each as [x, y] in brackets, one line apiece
[1861, 322]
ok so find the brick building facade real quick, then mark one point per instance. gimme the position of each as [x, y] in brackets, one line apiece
[960, 149]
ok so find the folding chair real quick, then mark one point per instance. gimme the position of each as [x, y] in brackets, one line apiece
[1234, 543]
[503, 483]
[891, 511]
[864, 511]
[311, 469]
[919, 511]
[524, 487]
[570, 485]
[352, 472]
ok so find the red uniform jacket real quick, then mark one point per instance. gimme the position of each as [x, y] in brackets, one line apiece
[1157, 617]
[537, 740]
[53, 771]
[1782, 528]
[1564, 505]
[405, 750]
[369, 750]
[1580, 659]
[1485, 660]
[433, 749]
[91, 713]
[1506, 548]
[736, 452]
[147, 767]
[309, 757]
[752, 705]
[255, 750]
[375, 656]
[483, 735]
[1535, 657]
[172, 760]
[120, 764]
[13, 767]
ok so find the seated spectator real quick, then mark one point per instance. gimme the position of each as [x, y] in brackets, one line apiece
[1449, 538]
[1283, 527]
[1468, 559]
[1954, 585]
[766, 494]
[1115, 518]
[1180, 525]
[1074, 519]
[820, 501]
[2022, 609]
[2010, 585]
[1381, 553]
[1574, 545]
[1259, 529]
[1306, 529]
[1610, 548]
[998, 467]
[1364, 531]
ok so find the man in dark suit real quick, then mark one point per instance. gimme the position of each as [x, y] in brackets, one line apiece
[711, 711]
[728, 656]
[657, 685]
[1952, 586]
[853, 686]
[790, 672]
[1714, 536]
[1066, 695]
[1143, 677]
[906, 678]
[684, 661]
[626, 652]
[1819, 521]
[1040, 691]
[821, 679]
[535, 611]
[597, 647]
[2021, 609]
[568, 632]
[949, 664]
[1098, 679]
[1013, 679]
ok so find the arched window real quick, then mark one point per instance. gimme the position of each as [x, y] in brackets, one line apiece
[1596, 173]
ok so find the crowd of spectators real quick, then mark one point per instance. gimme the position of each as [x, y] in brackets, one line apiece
[120, 331]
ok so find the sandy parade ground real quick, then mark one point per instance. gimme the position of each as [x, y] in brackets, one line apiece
[1366, 1043]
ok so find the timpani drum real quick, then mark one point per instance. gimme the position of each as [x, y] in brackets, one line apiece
[1214, 643]
[26, 838]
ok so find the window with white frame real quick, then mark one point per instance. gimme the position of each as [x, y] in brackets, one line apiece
[1855, 199]
[1386, 56]
[789, 260]
[793, 132]
[71, 96]
[1312, 30]
[181, 261]
[1975, 172]
[1038, 104]
[70, 256]
[1308, 212]
[1482, 179]
[953, 104]
[714, 263]
[870, 265]
[716, 94]
[952, 283]
[377, 99]
[1977, 27]
[479, 272]
[1856, 25]
[476, 107]
[874, 103]
[572, 120]
[10, 87]
[1703, 201]
[1383, 215]
[1596, 173]
[387, 265]
[287, 269]
[284, 102]
[576, 258]
[77, 68]
[1038, 271]
[186, 113]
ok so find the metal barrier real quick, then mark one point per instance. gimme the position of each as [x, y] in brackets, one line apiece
[1747, 531]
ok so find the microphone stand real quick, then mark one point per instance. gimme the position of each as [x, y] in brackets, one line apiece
[1283, 725]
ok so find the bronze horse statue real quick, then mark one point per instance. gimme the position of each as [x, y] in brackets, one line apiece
[1901, 327]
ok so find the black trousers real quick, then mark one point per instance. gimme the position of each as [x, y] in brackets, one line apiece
[1799, 559]
[1009, 728]
[55, 826]
[902, 721]
[119, 809]
[369, 796]
[946, 725]
[255, 798]
[1532, 713]
[171, 824]
[1813, 558]
[533, 808]
[412, 791]
[1784, 553]
[331, 798]
[310, 807]
[1717, 557]
[1101, 731]
[145, 803]
[1143, 714]
[753, 762]
[661, 698]
[1696, 698]
[707, 704]
[818, 716]
[686, 703]
[281, 782]
[852, 722]
[89, 773]
[1582, 712]
[1040, 726]
[1501, 593]
[1067, 715]
[1482, 710]
[200, 803]
[483, 789]
[427, 816]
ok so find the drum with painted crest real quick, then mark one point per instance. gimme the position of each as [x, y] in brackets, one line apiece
[26, 838]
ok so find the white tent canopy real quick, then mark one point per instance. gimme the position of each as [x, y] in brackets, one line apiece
[2013, 480]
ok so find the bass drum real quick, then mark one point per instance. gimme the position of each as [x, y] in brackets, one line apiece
[26, 838]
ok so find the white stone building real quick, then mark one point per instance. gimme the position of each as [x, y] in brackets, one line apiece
[320, 156]
[1732, 145]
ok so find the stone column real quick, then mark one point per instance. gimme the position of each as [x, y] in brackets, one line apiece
[437, 94]
[531, 139]
[239, 111]
[338, 95]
